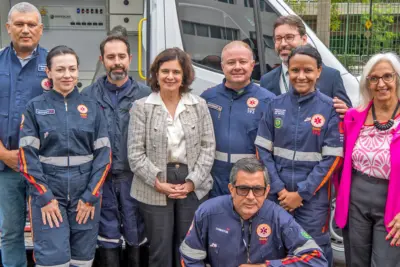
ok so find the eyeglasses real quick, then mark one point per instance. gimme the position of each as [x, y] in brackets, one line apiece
[243, 190]
[288, 38]
[387, 78]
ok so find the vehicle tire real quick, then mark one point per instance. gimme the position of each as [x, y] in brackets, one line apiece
[336, 237]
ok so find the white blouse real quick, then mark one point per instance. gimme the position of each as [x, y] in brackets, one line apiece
[176, 137]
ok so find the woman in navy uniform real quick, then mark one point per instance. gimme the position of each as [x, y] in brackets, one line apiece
[299, 142]
[65, 156]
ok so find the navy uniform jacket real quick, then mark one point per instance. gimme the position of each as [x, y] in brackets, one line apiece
[18, 85]
[330, 83]
[117, 118]
[221, 238]
[64, 132]
[299, 142]
[235, 118]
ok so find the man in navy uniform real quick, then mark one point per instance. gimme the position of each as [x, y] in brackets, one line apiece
[236, 107]
[115, 92]
[22, 77]
[245, 229]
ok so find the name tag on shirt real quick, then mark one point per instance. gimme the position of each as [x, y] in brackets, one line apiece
[41, 67]
[214, 106]
[45, 111]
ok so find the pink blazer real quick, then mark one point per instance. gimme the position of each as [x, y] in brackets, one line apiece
[353, 121]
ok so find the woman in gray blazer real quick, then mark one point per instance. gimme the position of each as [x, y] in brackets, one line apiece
[171, 147]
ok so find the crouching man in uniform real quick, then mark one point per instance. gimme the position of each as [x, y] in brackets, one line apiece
[245, 229]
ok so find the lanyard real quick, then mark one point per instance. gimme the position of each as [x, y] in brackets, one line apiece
[284, 81]
[247, 244]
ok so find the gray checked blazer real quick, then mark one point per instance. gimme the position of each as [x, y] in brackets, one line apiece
[147, 147]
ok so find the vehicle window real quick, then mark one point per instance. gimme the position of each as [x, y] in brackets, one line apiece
[208, 25]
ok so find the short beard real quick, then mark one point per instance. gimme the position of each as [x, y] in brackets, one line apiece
[118, 76]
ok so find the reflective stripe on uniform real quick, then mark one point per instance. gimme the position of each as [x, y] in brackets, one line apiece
[63, 161]
[100, 238]
[221, 156]
[60, 265]
[236, 157]
[29, 141]
[264, 143]
[78, 263]
[309, 245]
[332, 151]
[299, 156]
[102, 142]
[194, 254]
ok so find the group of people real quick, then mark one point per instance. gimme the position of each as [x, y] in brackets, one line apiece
[239, 176]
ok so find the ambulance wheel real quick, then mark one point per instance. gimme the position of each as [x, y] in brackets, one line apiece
[336, 237]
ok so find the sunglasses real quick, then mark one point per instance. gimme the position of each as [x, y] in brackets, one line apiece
[244, 190]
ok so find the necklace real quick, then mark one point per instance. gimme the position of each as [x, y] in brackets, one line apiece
[389, 124]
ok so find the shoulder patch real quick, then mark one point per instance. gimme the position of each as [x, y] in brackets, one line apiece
[305, 235]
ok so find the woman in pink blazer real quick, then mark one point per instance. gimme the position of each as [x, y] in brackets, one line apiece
[368, 197]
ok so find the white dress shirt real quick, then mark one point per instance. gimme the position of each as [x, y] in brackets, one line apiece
[281, 82]
[176, 138]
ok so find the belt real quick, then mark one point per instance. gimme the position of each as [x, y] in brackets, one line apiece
[177, 165]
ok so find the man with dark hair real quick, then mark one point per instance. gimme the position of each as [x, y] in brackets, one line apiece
[120, 217]
[244, 229]
[116, 31]
[289, 33]
[236, 106]
[22, 77]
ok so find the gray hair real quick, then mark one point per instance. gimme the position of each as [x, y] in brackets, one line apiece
[250, 165]
[24, 7]
[365, 92]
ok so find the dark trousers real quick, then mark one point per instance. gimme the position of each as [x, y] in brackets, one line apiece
[166, 226]
[120, 216]
[364, 236]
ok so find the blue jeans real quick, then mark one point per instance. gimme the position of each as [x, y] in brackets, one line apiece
[12, 218]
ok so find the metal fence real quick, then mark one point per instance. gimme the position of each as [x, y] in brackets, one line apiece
[357, 29]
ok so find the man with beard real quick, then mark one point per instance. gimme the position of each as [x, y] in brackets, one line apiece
[289, 33]
[100, 72]
[236, 106]
[116, 92]
[22, 77]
